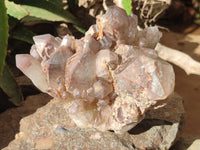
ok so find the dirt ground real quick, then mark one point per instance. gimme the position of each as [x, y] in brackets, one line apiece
[188, 86]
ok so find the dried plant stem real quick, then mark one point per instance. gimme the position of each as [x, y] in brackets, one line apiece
[184, 61]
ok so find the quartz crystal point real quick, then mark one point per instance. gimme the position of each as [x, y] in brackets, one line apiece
[109, 78]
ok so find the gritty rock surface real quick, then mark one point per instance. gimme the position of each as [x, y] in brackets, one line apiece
[9, 120]
[195, 145]
[50, 128]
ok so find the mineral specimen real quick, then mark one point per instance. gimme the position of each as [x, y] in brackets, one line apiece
[110, 77]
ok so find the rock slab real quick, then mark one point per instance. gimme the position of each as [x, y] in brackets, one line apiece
[9, 120]
[51, 128]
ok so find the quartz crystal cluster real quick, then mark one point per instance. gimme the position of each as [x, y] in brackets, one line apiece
[109, 78]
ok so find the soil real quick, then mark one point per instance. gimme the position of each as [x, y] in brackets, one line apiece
[188, 86]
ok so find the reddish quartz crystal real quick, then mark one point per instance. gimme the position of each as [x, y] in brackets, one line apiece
[110, 77]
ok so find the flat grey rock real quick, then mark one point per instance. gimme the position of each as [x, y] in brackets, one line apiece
[9, 120]
[51, 128]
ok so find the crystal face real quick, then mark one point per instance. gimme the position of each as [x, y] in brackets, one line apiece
[110, 77]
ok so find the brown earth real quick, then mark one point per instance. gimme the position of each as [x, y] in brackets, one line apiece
[188, 86]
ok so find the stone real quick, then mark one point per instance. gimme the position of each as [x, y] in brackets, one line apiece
[195, 145]
[9, 120]
[109, 78]
[51, 128]
[44, 143]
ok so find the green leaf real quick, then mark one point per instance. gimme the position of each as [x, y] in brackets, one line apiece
[3, 34]
[22, 34]
[15, 10]
[56, 2]
[73, 4]
[127, 4]
[197, 21]
[47, 10]
[80, 29]
[9, 86]
[32, 19]
[12, 22]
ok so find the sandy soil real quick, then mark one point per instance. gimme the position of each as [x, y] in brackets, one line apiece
[188, 86]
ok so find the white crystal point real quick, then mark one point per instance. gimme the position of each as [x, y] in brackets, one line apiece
[149, 37]
[46, 44]
[80, 71]
[114, 22]
[82, 113]
[102, 89]
[32, 69]
[105, 59]
[140, 74]
[126, 114]
[34, 53]
[162, 78]
[68, 41]
[55, 67]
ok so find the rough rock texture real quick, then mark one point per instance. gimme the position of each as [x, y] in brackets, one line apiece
[50, 128]
[9, 120]
[187, 143]
[195, 145]
[109, 78]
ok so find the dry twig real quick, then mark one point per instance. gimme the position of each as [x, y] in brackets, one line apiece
[184, 61]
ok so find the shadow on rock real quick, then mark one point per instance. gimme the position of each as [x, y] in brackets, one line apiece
[146, 124]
